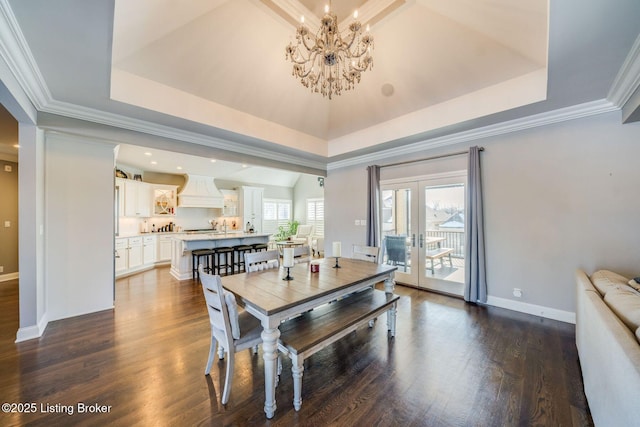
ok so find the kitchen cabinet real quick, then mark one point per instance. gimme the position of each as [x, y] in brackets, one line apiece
[137, 198]
[135, 257]
[149, 250]
[164, 199]
[164, 249]
[230, 204]
[121, 255]
[251, 206]
[137, 253]
[128, 254]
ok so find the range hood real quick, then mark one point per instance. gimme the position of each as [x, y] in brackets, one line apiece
[200, 192]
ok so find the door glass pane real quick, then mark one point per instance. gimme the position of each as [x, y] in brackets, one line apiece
[396, 228]
[444, 232]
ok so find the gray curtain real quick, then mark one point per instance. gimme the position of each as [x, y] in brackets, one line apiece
[475, 273]
[373, 205]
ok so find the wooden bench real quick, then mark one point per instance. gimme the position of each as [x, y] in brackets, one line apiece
[310, 332]
[439, 254]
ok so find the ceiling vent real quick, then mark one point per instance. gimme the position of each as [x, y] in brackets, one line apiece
[200, 192]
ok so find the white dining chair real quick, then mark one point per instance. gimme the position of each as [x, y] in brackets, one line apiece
[366, 253]
[301, 254]
[264, 260]
[232, 329]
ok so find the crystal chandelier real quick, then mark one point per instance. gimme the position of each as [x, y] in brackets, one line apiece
[330, 62]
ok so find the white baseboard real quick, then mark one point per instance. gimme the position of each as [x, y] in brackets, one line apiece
[32, 332]
[9, 276]
[536, 310]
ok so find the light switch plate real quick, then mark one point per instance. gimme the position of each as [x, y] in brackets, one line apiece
[8, 168]
[7, 224]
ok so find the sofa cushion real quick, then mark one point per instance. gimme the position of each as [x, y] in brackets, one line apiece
[625, 303]
[604, 280]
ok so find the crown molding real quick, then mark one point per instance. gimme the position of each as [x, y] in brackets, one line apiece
[115, 120]
[15, 51]
[628, 78]
[516, 125]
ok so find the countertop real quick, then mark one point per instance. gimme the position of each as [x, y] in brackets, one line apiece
[198, 235]
[217, 236]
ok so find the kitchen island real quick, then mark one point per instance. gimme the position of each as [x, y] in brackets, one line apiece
[184, 243]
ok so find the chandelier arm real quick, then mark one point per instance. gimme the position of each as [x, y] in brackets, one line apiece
[305, 41]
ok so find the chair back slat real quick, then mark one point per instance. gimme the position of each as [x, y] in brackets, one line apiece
[366, 253]
[257, 261]
[216, 305]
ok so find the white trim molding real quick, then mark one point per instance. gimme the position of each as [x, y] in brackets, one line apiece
[32, 332]
[536, 310]
[628, 78]
[550, 117]
[14, 50]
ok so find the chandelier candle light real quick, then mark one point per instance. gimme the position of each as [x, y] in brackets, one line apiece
[329, 62]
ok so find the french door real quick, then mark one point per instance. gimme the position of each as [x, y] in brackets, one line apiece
[423, 230]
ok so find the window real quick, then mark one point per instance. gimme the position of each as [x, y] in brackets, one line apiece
[276, 213]
[315, 215]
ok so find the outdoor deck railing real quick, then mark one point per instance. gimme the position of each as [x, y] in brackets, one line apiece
[453, 240]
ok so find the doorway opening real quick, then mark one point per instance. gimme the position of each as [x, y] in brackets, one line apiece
[423, 231]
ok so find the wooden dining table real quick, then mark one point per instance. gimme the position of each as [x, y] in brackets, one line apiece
[271, 299]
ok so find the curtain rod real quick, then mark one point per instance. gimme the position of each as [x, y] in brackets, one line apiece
[457, 153]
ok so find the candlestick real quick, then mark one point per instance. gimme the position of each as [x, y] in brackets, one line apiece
[288, 276]
[337, 266]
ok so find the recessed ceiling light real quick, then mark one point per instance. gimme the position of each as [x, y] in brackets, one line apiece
[147, 153]
[16, 145]
[153, 162]
[244, 166]
[179, 168]
[213, 160]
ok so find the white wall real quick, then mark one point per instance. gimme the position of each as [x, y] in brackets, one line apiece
[31, 246]
[79, 225]
[557, 198]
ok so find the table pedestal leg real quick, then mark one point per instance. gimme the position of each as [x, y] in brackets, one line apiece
[270, 355]
[389, 284]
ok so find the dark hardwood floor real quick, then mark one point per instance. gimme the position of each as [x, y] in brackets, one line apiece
[451, 364]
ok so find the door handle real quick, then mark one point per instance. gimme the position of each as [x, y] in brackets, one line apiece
[421, 240]
[413, 240]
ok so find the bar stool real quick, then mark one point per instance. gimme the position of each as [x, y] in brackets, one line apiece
[258, 247]
[228, 260]
[238, 255]
[196, 255]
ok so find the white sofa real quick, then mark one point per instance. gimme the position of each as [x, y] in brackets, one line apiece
[607, 337]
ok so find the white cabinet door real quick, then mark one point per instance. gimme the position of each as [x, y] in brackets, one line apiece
[164, 249]
[121, 254]
[149, 250]
[144, 199]
[135, 252]
[137, 198]
[130, 198]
